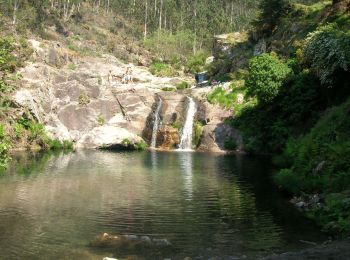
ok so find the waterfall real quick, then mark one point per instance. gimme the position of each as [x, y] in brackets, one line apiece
[156, 124]
[186, 136]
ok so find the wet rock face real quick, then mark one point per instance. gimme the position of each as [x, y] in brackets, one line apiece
[168, 138]
[172, 114]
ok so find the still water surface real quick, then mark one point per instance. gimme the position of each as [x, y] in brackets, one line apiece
[205, 205]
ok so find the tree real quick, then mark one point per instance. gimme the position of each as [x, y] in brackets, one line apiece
[267, 74]
[271, 12]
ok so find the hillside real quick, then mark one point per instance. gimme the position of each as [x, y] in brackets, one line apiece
[293, 72]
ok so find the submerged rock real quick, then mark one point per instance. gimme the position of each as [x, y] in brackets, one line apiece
[129, 242]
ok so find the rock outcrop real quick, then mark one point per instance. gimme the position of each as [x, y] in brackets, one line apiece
[82, 99]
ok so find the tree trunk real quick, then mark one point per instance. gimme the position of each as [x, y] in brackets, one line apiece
[195, 28]
[160, 15]
[15, 8]
[146, 17]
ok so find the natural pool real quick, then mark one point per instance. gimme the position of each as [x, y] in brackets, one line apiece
[206, 205]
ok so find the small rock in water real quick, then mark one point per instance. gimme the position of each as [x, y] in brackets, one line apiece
[146, 239]
[300, 204]
[109, 258]
[161, 242]
[130, 237]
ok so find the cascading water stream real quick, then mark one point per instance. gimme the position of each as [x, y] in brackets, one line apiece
[187, 131]
[156, 124]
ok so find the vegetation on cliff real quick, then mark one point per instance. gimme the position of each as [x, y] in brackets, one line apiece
[296, 100]
[18, 128]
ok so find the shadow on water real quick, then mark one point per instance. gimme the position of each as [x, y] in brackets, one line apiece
[205, 205]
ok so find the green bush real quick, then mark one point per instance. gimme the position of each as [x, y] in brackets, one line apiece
[196, 63]
[36, 131]
[4, 148]
[197, 133]
[168, 89]
[328, 51]
[84, 99]
[58, 145]
[8, 61]
[182, 85]
[101, 120]
[288, 180]
[141, 146]
[161, 69]
[267, 74]
[18, 130]
[230, 145]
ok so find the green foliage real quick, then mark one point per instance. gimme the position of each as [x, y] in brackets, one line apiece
[101, 120]
[59, 145]
[141, 146]
[197, 133]
[84, 99]
[18, 130]
[271, 13]
[177, 125]
[126, 142]
[4, 148]
[230, 145]
[267, 126]
[196, 63]
[328, 51]
[334, 215]
[36, 131]
[72, 66]
[162, 69]
[183, 85]
[168, 89]
[288, 180]
[267, 74]
[320, 163]
[8, 61]
[166, 44]
[220, 96]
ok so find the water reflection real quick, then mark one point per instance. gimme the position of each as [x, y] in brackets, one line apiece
[53, 205]
[186, 164]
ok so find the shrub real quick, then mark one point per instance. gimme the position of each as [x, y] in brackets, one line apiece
[230, 145]
[8, 62]
[267, 74]
[18, 130]
[183, 85]
[177, 125]
[4, 148]
[161, 69]
[328, 51]
[126, 142]
[288, 180]
[140, 145]
[58, 145]
[101, 120]
[197, 133]
[36, 131]
[168, 89]
[196, 63]
[84, 99]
